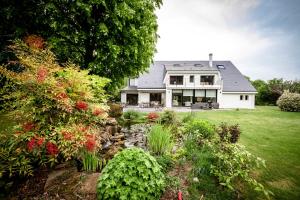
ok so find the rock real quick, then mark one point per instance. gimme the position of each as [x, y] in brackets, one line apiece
[89, 184]
[195, 179]
[117, 138]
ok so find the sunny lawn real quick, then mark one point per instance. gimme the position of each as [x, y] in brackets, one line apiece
[273, 135]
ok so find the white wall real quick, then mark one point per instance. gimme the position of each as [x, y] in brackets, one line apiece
[232, 100]
[144, 97]
[168, 98]
[123, 97]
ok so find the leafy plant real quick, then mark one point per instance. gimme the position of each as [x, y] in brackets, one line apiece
[90, 162]
[58, 110]
[159, 139]
[289, 102]
[200, 128]
[165, 161]
[131, 117]
[229, 133]
[131, 174]
[233, 163]
[115, 110]
[168, 117]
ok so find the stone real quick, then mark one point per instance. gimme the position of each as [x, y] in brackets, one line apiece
[195, 179]
[89, 185]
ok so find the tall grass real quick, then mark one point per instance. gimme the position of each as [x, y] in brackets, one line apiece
[159, 140]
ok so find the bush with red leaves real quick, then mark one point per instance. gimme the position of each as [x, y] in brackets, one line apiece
[35, 41]
[152, 116]
[81, 105]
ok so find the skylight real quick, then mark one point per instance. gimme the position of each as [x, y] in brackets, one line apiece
[198, 65]
[221, 66]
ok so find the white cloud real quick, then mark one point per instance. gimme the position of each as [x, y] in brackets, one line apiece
[191, 29]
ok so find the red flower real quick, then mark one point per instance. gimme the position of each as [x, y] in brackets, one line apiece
[98, 111]
[67, 135]
[51, 148]
[90, 143]
[28, 126]
[40, 141]
[41, 74]
[31, 144]
[34, 41]
[81, 105]
[152, 116]
[62, 95]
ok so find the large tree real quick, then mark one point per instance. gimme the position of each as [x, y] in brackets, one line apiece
[112, 38]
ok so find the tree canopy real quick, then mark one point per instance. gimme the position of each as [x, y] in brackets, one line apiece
[111, 38]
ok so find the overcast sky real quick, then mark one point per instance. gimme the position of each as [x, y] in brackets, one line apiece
[261, 37]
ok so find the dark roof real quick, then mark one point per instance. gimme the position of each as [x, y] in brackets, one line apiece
[233, 80]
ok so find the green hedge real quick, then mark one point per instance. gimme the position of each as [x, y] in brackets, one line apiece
[289, 102]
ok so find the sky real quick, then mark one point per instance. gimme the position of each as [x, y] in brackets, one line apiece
[261, 37]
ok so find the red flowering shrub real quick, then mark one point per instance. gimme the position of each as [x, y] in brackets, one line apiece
[98, 111]
[28, 126]
[51, 148]
[35, 41]
[43, 105]
[41, 74]
[152, 116]
[31, 144]
[81, 105]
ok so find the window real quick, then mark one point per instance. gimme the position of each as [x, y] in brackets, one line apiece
[191, 79]
[241, 97]
[207, 80]
[246, 97]
[176, 80]
[221, 66]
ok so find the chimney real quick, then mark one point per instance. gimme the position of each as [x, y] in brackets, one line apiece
[210, 60]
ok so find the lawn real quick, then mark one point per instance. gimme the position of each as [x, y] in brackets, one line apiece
[272, 135]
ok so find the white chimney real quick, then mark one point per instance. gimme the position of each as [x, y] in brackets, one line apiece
[210, 60]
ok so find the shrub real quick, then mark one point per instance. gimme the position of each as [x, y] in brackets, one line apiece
[189, 117]
[229, 133]
[131, 117]
[152, 117]
[166, 162]
[58, 110]
[168, 117]
[115, 110]
[289, 102]
[200, 128]
[233, 163]
[159, 139]
[131, 174]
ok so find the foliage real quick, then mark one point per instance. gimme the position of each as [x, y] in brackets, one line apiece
[187, 118]
[152, 117]
[131, 117]
[131, 174]
[168, 117]
[289, 102]
[270, 91]
[229, 133]
[91, 162]
[200, 128]
[165, 161]
[233, 163]
[58, 110]
[224, 159]
[111, 38]
[159, 139]
[115, 110]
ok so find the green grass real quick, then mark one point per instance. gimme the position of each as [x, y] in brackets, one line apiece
[272, 135]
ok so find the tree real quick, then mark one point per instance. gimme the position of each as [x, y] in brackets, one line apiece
[111, 38]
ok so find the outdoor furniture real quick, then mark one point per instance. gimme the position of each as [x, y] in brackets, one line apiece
[187, 103]
[215, 105]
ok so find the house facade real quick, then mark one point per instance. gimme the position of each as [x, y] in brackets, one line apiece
[189, 83]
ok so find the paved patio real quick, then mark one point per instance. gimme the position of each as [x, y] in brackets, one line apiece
[176, 109]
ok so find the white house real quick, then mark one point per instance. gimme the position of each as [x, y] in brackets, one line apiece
[192, 84]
